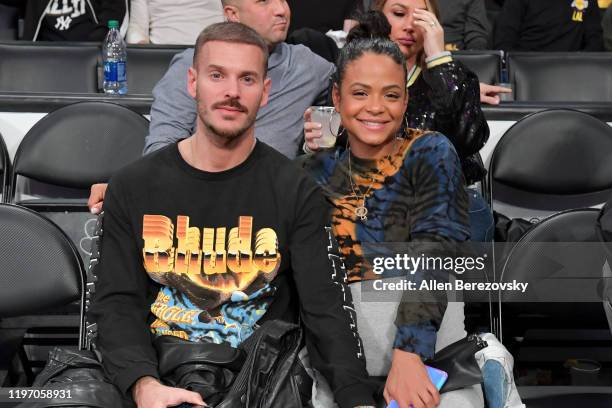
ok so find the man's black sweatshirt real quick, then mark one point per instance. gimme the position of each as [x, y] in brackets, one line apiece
[549, 25]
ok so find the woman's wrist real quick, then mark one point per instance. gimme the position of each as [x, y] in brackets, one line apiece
[439, 58]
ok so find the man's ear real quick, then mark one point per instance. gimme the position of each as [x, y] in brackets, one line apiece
[192, 81]
[266, 92]
[231, 13]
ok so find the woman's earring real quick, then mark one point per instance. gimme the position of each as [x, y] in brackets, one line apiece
[331, 126]
[402, 132]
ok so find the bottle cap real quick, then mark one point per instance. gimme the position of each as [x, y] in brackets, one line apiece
[113, 24]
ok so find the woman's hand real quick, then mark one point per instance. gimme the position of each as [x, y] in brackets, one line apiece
[490, 93]
[408, 382]
[433, 33]
[312, 132]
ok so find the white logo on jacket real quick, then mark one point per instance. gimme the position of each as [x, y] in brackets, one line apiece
[66, 10]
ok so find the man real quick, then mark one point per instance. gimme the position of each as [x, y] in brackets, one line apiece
[75, 20]
[549, 25]
[299, 77]
[219, 185]
[466, 25]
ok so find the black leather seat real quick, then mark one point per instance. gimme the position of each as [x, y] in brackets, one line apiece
[147, 65]
[49, 67]
[561, 76]
[562, 260]
[550, 161]
[485, 64]
[69, 150]
[40, 269]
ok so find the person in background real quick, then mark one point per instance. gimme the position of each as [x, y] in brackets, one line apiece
[323, 15]
[549, 25]
[606, 24]
[444, 95]
[72, 20]
[163, 22]
[466, 25]
[385, 188]
[321, 25]
[489, 94]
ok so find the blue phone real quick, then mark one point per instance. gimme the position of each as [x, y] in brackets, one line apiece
[437, 377]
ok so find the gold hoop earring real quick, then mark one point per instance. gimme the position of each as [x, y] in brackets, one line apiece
[331, 118]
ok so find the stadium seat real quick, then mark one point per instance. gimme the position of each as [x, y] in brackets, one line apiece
[5, 170]
[550, 161]
[561, 76]
[40, 269]
[561, 317]
[48, 67]
[485, 64]
[65, 153]
[147, 65]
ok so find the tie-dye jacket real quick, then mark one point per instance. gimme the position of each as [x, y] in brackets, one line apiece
[417, 195]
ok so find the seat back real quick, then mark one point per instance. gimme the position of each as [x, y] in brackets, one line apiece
[561, 76]
[486, 65]
[562, 315]
[147, 65]
[48, 67]
[550, 161]
[69, 150]
[40, 268]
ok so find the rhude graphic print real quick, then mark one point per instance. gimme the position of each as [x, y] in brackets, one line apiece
[216, 284]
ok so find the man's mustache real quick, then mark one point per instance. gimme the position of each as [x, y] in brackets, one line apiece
[230, 103]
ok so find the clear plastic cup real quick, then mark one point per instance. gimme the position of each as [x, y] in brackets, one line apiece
[330, 125]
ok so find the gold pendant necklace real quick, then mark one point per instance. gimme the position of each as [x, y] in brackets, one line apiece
[360, 211]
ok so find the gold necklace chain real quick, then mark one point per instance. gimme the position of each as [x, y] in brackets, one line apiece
[361, 211]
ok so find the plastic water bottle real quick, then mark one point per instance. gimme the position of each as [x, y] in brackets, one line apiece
[114, 55]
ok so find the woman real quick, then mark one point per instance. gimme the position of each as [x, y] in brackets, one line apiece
[390, 184]
[444, 95]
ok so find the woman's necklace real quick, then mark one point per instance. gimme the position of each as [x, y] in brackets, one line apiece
[361, 210]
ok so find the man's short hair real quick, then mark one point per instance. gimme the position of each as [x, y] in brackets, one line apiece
[231, 32]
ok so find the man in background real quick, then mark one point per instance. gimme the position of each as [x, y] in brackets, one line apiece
[549, 25]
